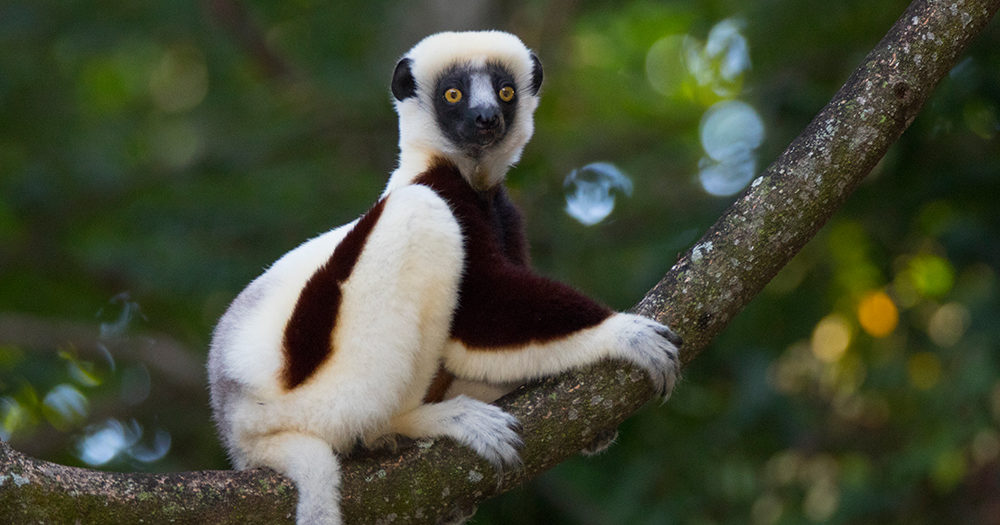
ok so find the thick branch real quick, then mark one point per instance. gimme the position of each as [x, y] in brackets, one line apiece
[710, 284]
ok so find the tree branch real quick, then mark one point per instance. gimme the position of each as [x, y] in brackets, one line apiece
[707, 287]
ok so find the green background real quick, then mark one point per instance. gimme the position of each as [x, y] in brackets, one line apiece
[156, 156]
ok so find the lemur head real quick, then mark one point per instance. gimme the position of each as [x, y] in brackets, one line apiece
[468, 97]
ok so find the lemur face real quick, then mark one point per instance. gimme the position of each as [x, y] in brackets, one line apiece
[474, 106]
[468, 97]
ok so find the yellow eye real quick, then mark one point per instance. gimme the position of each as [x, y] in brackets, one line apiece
[453, 95]
[506, 93]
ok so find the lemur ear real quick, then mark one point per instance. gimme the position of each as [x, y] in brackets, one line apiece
[536, 74]
[403, 84]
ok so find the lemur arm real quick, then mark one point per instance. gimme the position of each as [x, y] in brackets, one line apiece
[511, 324]
[508, 305]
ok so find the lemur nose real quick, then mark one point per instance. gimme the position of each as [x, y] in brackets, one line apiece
[487, 117]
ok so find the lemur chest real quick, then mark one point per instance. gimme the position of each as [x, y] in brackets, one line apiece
[490, 224]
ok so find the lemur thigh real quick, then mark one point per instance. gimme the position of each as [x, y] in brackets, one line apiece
[393, 320]
[398, 303]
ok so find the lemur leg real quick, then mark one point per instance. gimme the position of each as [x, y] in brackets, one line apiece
[310, 463]
[386, 345]
[432, 279]
[428, 278]
[394, 319]
[486, 429]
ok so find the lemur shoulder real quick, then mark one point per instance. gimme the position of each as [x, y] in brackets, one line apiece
[412, 318]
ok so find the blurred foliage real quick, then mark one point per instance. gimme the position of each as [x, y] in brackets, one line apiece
[171, 150]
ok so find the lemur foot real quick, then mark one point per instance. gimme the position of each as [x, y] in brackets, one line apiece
[385, 442]
[488, 430]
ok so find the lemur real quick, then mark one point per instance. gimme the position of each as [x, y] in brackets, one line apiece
[410, 319]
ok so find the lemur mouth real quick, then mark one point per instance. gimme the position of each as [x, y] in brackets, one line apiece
[484, 137]
[478, 148]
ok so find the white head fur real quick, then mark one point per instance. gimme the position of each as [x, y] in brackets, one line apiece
[417, 84]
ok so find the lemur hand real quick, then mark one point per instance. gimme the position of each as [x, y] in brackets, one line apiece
[652, 346]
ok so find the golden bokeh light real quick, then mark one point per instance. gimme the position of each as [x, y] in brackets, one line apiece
[877, 314]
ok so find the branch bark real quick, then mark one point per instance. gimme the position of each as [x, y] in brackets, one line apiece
[436, 479]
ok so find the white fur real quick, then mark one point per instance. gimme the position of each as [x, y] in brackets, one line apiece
[315, 467]
[484, 428]
[251, 324]
[481, 92]
[624, 336]
[393, 324]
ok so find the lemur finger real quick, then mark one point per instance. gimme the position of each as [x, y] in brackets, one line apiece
[516, 426]
[671, 336]
[669, 383]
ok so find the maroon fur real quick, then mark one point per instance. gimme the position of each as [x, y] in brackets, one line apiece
[501, 302]
[308, 340]
[511, 230]
[439, 385]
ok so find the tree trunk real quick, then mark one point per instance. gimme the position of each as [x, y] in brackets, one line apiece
[438, 479]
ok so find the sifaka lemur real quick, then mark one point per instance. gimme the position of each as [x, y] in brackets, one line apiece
[410, 319]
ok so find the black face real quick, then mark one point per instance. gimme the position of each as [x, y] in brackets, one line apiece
[475, 106]
[485, 105]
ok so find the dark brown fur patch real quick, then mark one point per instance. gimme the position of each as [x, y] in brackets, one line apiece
[308, 339]
[439, 385]
[501, 301]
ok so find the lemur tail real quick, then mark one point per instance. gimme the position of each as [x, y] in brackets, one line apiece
[310, 462]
